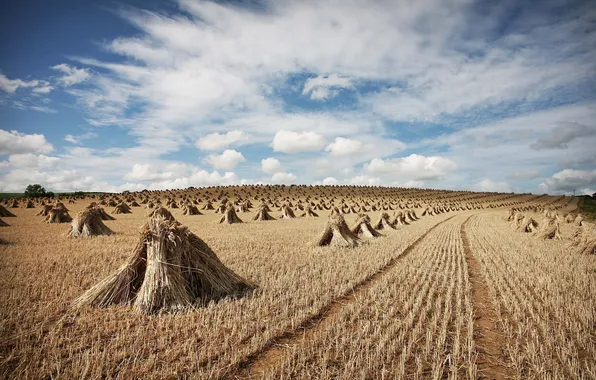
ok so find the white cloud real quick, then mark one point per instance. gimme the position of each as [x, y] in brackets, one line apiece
[72, 75]
[30, 160]
[44, 88]
[567, 181]
[270, 165]
[294, 142]
[343, 147]
[488, 185]
[80, 138]
[227, 160]
[280, 177]
[216, 141]
[12, 85]
[15, 142]
[326, 87]
[365, 180]
[330, 181]
[196, 179]
[414, 166]
[152, 172]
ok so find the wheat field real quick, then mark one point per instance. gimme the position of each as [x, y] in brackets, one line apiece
[458, 293]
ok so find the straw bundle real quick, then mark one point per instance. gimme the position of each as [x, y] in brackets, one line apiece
[362, 228]
[122, 208]
[309, 213]
[287, 212]
[88, 223]
[383, 222]
[262, 214]
[550, 230]
[230, 216]
[45, 210]
[190, 209]
[584, 241]
[337, 233]
[207, 206]
[58, 215]
[528, 225]
[5, 213]
[169, 269]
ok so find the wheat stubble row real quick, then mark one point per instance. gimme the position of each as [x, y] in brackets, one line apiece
[544, 298]
[414, 322]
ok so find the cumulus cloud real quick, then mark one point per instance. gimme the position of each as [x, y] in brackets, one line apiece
[326, 86]
[270, 165]
[567, 181]
[198, 178]
[217, 141]
[414, 166]
[365, 180]
[294, 142]
[227, 160]
[71, 74]
[488, 185]
[30, 160]
[14, 142]
[330, 181]
[152, 172]
[563, 134]
[281, 177]
[343, 147]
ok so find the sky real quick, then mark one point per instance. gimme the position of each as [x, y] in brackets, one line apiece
[447, 94]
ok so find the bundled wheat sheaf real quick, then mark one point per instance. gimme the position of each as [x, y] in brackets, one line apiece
[230, 216]
[170, 268]
[89, 223]
[337, 233]
[58, 215]
[363, 228]
[262, 214]
[5, 213]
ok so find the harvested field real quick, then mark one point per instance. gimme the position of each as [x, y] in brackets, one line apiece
[457, 294]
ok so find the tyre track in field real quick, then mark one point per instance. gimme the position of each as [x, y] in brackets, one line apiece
[487, 335]
[256, 364]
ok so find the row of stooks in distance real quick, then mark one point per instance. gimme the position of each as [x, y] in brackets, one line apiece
[172, 269]
[583, 239]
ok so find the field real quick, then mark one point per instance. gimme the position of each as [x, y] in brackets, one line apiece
[458, 294]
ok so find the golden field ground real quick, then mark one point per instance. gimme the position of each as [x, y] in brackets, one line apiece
[456, 295]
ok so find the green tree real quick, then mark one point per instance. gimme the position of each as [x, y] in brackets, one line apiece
[35, 191]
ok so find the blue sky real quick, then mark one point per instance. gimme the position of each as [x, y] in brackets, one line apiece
[484, 96]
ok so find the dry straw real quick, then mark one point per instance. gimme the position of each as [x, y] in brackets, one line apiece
[169, 269]
[58, 215]
[337, 233]
[262, 214]
[362, 227]
[88, 223]
[5, 213]
[230, 216]
[383, 223]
